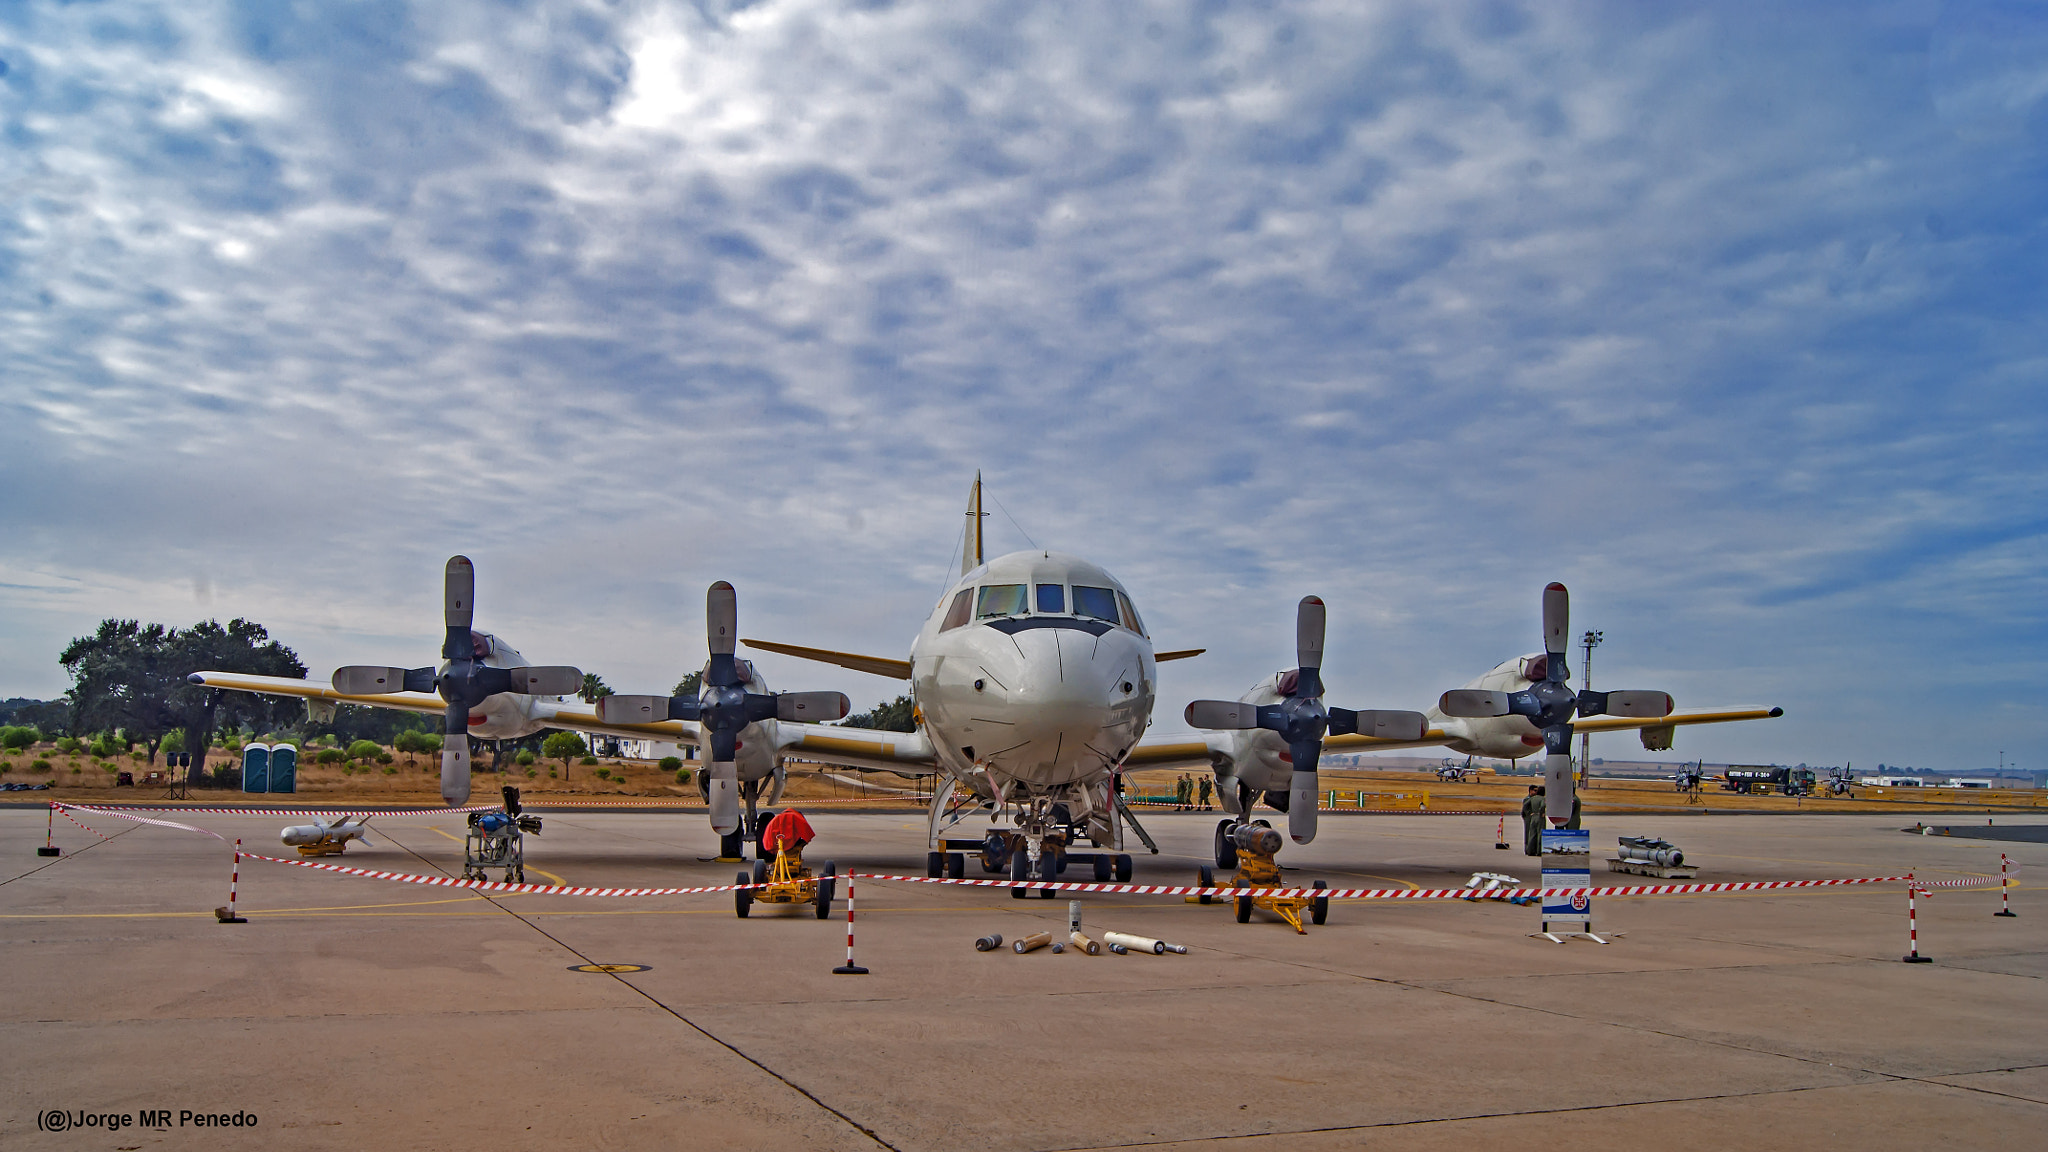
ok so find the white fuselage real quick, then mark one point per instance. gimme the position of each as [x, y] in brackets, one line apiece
[1033, 676]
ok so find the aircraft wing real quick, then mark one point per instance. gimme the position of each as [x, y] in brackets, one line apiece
[581, 717]
[1181, 750]
[318, 690]
[904, 753]
[1630, 724]
[877, 665]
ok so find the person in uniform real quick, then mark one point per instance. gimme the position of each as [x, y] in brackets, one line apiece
[1532, 821]
[1205, 793]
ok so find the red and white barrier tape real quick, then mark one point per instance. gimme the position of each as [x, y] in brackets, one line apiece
[117, 809]
[498, 886]
[66, 809]
[1973, 882]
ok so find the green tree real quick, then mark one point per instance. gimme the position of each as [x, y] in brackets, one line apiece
[690, 685]
[364, 750]
[131, 676]
[17, 737]
[898, 715]
[563, 746]
[408, 743]
[594, 688]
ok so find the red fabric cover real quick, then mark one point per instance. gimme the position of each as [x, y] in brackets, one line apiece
[788, 829]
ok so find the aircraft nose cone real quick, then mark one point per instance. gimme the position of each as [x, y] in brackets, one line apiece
[1071, 710]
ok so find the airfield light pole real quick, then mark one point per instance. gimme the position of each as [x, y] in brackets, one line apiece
[1589, 641]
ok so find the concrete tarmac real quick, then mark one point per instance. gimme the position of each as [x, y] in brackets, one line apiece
[357, 1013]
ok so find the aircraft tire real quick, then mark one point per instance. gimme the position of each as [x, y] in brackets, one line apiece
[1104, 869]
[956, 865]
[1208, 880]
[1048, 871]
[934, 865]
[1123, 868]
[1226, 848]
[1019, 871]
[732, 845]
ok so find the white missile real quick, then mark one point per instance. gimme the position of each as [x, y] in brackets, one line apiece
[320, 833]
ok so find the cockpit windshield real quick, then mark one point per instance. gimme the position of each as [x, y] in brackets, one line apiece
[1052, 598]
[1000, 600]
[1099, 603]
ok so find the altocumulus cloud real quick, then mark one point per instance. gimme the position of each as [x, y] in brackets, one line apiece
[1732, 320]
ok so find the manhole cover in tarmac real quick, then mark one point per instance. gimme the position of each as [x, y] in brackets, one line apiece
[607, 967]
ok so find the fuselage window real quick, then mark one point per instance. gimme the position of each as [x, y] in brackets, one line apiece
[1000, 600]
[956, 613]
[1131, 620]
[1052, 598]
[1097, 602]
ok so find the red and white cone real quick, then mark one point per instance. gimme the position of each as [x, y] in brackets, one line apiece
[49, 847]
[1913, 926]
[227, 914]
[2004, 890]
[849, 968]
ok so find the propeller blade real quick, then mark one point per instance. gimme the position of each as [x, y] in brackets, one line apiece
[1309, 618]
[1557, 626]
[364, 680]
[1650, 704]
[459, 607]
[811, 707]
[455, 757]
[721, 619]
[1558, 787]
[632, 709]
[1473, 702]
[547, 680]
[1386, 724]
[1222, 715]
[1304, 791]
[724, 790]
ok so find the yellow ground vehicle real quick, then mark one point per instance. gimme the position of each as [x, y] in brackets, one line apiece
[789, 881]
[1256, 869]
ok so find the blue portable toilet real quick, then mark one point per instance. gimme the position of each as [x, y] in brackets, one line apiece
[284, 768]
[255, 767]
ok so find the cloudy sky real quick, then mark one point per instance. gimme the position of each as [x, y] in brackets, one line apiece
[1731, 319]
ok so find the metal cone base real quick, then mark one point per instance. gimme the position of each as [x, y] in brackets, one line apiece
[850, 970]
[1916, 958]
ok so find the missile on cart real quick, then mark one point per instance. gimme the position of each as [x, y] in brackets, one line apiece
[321, 832]
[1651, 850]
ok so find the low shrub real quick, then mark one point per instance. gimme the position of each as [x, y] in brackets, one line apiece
[530, 773]
[15, 738]
[587, 761]
[384, 757]
[671, 763]
[390, 771]
[6, 766]
[70, 744]
[604, 773]
[75, 769]
[348, 769]
[329, 756]
[682, 775]
[551, 773]
[40, 766]
[526, 757]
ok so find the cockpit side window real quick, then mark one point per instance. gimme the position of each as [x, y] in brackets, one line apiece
[1052, 598]
[956, 613]
[1000, 600]
[1131, 620]
[1099, 603]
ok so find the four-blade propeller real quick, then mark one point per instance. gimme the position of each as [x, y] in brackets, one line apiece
[464, 681]
[1551, 707]
[1301, 720]
[723, 708]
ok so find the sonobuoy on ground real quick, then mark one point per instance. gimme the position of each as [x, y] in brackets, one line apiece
[989, 943]
[1058, 947]
[1176, 949]
[1085, 944]
[1073, 916]
[1119, 949]
[1135, 943]
[1032, 942]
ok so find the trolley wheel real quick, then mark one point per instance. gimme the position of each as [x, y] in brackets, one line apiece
[732, 845]
[1319, 906]
[1048, 871]
[1226, 848]
[1208, 880]
[1104, 868]
[825, 886]
[743, 899]
[956, 865]
[934, 865]
[1244, 909]
[1123, 868]
[1019, 871]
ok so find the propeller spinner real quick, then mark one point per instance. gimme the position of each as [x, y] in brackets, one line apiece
[464, 681]
[1302, 720]
[723, 707]
[1551, 707]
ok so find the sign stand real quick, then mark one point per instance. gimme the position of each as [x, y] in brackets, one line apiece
[1567, 883]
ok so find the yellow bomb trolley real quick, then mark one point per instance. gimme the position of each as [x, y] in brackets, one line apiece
[1253, 845]
[787, 878]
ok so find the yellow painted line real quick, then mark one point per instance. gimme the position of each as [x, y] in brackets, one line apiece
[457, 839]
[559, 882]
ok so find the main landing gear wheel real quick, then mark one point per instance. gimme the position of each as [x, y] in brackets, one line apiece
[1019, 872]
[1226, 848]
[743, 899]
[1123, 868]
[761, 820]
[825, 886]
[1319, 907]
[934, 865]
[1103, 868]
[1208, 880]
[732, 845]
[956, 865]
[1048, 871]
